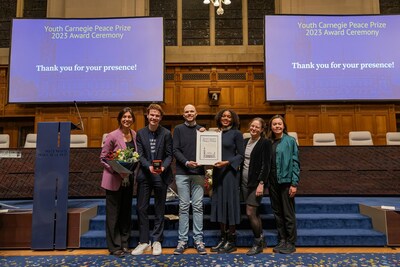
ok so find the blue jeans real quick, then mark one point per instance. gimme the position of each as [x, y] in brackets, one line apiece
[190, 185]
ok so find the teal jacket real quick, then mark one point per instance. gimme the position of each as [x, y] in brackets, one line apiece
[287, 161]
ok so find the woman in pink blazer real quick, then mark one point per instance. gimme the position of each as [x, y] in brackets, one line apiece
[118, 190]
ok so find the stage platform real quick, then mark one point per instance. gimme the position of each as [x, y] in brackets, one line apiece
[322, 221]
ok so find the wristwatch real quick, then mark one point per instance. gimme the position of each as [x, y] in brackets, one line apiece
[261, 182]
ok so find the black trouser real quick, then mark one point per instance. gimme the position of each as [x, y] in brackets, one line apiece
[118, 217]
[144, 189]
[284, 211]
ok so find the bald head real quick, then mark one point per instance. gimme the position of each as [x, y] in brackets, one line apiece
[189, 106]
[189, 113]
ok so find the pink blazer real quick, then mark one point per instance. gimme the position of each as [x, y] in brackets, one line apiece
[114, 141]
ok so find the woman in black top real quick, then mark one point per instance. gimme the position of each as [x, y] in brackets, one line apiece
[255, 170]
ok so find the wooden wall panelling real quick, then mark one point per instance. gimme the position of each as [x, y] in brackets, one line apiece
[365, 122]
[240, 98]
[141, 119]
[202, 99]
[192, 92]
[382, 127]
[305, 120]
[258, 103]
[292, 121]
[225, 98]
[378, 119]
[296, 123]
[111, 122]
[258, 98]
[313, 126]
[187, 95]
[348, 122]
[190, 86]
[169, 100]
[195, 95]
[241, 90]
[338, 119]
[302, 121]
[95, 131]
[339, 124]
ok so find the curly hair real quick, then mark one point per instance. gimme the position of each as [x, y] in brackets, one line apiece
[235, 119]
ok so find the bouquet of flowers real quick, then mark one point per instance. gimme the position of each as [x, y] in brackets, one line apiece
[208, 181]
[123, 161]
[128, 155]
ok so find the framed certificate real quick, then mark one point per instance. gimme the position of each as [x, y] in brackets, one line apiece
[208, 147]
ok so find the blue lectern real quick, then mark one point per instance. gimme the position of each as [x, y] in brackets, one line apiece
[50, 197]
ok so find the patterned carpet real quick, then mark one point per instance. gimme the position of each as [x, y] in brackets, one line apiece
[213, 260]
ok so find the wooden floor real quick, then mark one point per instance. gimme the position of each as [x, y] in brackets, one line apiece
[193, 251]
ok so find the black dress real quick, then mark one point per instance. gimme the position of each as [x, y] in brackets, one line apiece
[225, 200]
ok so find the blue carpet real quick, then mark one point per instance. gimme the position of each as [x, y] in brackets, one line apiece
[296, 260]
[321, 221]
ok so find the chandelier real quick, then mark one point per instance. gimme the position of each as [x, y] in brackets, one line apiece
[218, 3]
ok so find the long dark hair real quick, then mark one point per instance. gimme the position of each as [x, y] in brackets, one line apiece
[235, 119]
[270, 133]
[122, 112]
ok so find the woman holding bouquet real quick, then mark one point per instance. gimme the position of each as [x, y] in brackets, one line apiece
[118, 186]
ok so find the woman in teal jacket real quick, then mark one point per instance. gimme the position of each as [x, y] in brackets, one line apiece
[282, 183]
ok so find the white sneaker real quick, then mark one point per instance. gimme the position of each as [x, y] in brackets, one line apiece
[141, 247]
[157, 249]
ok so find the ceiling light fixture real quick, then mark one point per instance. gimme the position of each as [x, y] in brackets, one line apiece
[218, 3]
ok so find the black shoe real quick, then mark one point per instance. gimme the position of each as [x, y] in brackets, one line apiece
[118, 253]
[257, 248]
[280, 246]
[230, 245]
[254, 250]
[218, 246]
[221, 243]
[289, 248]
[126, 250]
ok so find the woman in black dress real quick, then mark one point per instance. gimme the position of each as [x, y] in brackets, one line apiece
[225, 201]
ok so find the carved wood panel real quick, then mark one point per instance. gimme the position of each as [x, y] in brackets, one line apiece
[307, 120]
[241, 90]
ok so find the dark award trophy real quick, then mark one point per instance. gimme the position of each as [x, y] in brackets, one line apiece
[157, 163]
